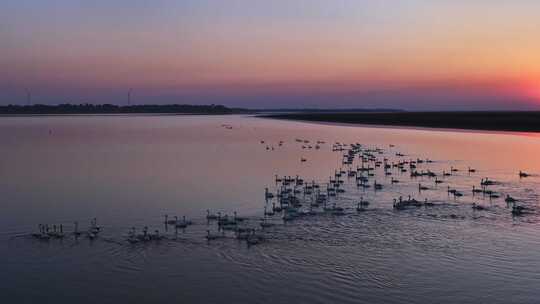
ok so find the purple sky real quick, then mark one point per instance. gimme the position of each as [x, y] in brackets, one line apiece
[411, 54]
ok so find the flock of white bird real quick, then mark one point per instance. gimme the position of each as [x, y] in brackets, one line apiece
[295, 197]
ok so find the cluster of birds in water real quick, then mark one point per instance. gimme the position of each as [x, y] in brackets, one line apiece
[47, 232]
[305, 145]
[294, 197]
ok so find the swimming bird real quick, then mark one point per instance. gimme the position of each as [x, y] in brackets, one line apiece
[398, 205]
[225, 220]
[76, 231]
[60, 233]
[268, 212]
[156, 236]
[476, 190]
[509, 199]
[493, 195]
[268, 194]
[363, 202]
[94, 226]
[41, 234]
[181, 224]
[210, 216]
[144, 237]
[475, 206]
[428, 204]
[239, 218]
[132, 236]
[94, 229]
[170, 222]
[254, 239]
[486, 182]
[518, 210]
[421, 188]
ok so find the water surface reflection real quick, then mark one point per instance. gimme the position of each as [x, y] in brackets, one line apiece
[130, 171]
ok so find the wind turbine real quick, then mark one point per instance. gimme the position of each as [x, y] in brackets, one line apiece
[28, 96]
[129, 97]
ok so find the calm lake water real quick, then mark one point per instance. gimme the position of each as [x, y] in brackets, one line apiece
[129, 171]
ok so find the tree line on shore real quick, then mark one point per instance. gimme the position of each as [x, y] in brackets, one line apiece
[87, 108]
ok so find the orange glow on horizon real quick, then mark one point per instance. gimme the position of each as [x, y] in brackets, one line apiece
[530, 90]
[436, 49]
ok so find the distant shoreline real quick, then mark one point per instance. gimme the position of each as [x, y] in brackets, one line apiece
[115, 114]
[484, 121]
[109, 109]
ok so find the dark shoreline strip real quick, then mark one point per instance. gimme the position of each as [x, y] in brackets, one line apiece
[492, 121]
[76, 109]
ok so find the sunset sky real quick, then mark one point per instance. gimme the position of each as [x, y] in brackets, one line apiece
[410, 54]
